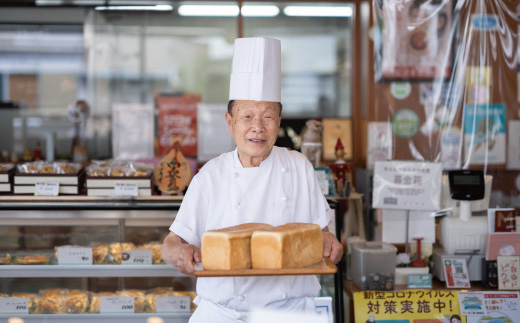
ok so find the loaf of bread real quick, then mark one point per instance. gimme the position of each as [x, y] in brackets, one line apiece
[292, 245]
[229, 248]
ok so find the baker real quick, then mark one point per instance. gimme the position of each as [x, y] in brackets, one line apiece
[257, 182]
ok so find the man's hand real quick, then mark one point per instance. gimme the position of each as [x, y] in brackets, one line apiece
[180, 254]
[332, 248]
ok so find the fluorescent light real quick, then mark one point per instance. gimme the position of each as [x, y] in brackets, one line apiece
[318, 11]
[260, 11]
[148, 8]
[209, 10]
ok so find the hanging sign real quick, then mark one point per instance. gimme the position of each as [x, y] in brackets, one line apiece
[407, 185]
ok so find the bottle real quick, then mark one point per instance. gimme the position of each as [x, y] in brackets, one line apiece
[38, 152]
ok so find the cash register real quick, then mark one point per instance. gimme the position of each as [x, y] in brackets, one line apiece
[463, 236]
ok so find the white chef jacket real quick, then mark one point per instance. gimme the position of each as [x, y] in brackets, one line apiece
[281, 190]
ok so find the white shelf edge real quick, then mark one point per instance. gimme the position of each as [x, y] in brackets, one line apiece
[28, 271]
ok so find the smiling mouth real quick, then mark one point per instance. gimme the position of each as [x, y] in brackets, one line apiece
[256, 140]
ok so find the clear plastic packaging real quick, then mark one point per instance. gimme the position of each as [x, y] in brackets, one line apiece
[373, 265]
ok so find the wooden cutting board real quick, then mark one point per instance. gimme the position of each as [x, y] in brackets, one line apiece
[325, 267]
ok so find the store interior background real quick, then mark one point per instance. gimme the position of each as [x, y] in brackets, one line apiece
[56, 52]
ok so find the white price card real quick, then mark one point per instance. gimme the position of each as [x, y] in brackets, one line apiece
[116, 304]
[168, 304]
[74, 256]
[126, 189]
[15, 305]
[136, 257]
[46, 188]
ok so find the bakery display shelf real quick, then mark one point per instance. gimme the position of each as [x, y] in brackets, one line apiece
[325, 267]
[98, 318]
[13, 202]
[25, 271]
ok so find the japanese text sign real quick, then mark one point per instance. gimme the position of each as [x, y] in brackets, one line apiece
[408, 305]
[508, 272]
[406, 185]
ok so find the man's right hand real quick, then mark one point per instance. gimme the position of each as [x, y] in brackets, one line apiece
[180, 254]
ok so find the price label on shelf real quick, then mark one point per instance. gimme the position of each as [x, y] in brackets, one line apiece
[136, 257]
[14, 305]
[74, 256]
[116, 304]
[168, 304]
[46, 188]
[126, 189]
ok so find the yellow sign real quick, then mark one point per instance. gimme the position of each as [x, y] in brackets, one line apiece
[407, 306]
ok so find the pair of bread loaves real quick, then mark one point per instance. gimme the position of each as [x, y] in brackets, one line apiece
[262, 246]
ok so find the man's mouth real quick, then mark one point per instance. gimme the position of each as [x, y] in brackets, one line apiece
[256, 140]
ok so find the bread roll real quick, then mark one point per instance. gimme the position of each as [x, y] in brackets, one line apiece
[229, 248]
[292, 245]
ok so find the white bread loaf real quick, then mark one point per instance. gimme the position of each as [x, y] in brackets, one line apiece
[229, 248]
[292, 245]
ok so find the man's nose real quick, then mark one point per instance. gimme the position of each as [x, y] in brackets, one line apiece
[258, 124]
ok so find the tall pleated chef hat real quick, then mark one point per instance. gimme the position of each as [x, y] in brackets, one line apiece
[256, 70]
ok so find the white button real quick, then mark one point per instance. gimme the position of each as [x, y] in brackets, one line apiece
[284, 198]
[238, 205]
[240, 298]
[235, 175]
[283, 170]
[284, 295]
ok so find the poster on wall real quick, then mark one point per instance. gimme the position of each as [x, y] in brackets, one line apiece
[418, 306]
[379, 143]
[407, 185]
[451, 148]
[132, 131]
[177, 117]
[478, 84]
[485, 134]
[490, 306]
[416, 39]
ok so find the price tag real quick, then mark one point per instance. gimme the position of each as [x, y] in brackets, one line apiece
[14, 305]
[136, 257]
[74, 256]
[46, 188]
[116, 304]
[126, 189]
[168, 304]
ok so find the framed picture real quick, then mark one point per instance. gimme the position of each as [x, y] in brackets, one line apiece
[414, 40]
[334, 128]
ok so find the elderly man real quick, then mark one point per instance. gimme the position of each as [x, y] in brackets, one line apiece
[257, 182]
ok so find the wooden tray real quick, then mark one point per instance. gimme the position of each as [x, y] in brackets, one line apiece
[325, 267]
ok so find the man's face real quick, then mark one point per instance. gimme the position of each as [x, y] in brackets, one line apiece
[254, 125]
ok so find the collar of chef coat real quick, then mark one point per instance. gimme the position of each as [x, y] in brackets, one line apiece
[237, 164]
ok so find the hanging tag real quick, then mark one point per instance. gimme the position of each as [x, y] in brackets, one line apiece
[126, 189]
[46, 188]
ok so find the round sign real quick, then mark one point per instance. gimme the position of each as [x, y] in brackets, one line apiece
[400, 90]
[405, 123]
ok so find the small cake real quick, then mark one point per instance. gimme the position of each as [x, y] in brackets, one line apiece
[229, 248]
[292, 245]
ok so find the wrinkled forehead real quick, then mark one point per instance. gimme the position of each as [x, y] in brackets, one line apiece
[258, 106]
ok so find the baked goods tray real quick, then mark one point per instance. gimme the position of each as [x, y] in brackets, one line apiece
[325, 267]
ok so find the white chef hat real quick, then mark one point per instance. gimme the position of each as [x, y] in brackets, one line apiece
[256, 69]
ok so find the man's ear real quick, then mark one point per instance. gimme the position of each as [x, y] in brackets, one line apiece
[229, 120]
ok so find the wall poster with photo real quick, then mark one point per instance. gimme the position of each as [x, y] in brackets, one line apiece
[414, 39]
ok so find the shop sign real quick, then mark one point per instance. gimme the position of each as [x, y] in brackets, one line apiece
[407, 185]
[407, 305]
[46, 188]
[169, 304]
[484, 22]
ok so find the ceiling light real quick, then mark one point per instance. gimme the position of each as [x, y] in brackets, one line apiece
[209, 10]
[142, 8]
[260, 11]
[318, 11]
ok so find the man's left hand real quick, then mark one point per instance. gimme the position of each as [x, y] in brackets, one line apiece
[332, 248]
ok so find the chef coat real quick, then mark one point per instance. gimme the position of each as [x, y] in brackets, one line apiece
[281, 190]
